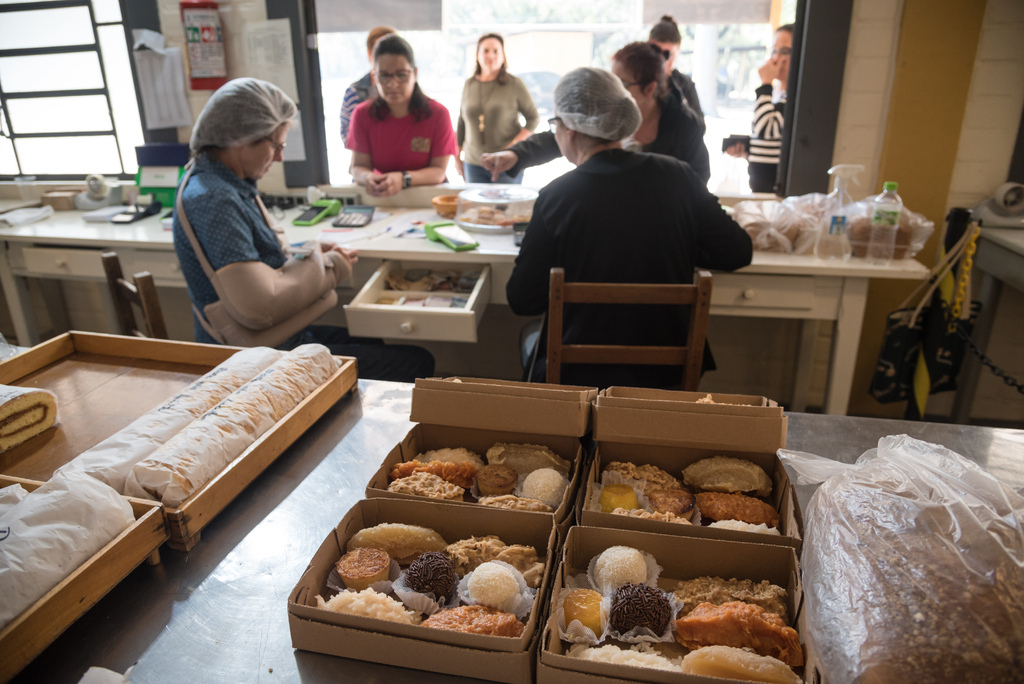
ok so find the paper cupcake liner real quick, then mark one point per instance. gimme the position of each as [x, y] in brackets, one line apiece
[575, 632]
[335, 582]
[428, 604]
[639, 635]
[653, 572]
[524, 606]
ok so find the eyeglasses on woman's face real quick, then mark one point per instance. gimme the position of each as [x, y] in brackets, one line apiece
[553, 124]
[277, 147]
[401, 76]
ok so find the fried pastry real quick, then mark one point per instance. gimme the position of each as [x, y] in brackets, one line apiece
[459, 474]
[718, 506]
[368, 603]
[477, 620]
[647, 515]
[735, 663]
[525, 458]
[727, 474]
[496, 480]
[516, 503]
[741, 625]
[653, 475]
[402, 542]
[422, 483]
[456, 455]
[717, 591]
[469, 554]
[677, 501]
[359, 568]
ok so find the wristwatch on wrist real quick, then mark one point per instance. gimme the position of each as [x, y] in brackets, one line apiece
[406, 180]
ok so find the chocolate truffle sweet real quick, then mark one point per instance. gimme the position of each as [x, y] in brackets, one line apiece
[432, 573]
[638, 605]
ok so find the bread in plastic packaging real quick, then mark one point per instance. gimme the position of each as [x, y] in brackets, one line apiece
[913, 565]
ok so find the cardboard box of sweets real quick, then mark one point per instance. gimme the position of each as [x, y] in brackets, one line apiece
[671, 430]
[502, 659]
[680, 559]
[476, 414]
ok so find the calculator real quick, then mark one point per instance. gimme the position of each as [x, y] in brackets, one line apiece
[353, 216]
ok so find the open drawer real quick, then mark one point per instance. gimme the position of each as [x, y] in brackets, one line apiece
[379, 310]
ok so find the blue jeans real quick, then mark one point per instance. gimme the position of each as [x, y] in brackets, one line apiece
[478, 174]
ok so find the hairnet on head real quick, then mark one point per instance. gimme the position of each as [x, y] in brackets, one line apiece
[241, 111]
[594, 102]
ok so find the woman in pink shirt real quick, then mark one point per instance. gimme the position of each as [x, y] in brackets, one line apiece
[401, 137]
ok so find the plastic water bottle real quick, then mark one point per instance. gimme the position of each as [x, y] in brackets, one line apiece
[832, 241]
[885, 219]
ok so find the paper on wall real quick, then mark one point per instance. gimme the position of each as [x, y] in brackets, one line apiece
[161, 81]
[268, 54]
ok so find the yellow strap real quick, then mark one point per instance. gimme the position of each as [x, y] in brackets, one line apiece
[965, 276]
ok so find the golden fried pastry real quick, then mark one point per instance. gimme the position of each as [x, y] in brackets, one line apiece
[516, 503]
[359, 568]
[584, 605]
[368, 603]
[525, 458]
[735, 663]
[647, 515]
[459, 474]
[469, 554]
[617, 496]
[456, 455]
[677, 501]
[653, 475]
[727, 474]
[718, 506]
[496, 480]
[741, 625]
[717, 591]
[477, 620]
[403, 542]
[422, 483]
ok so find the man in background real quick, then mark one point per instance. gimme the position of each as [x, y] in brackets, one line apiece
[361, 89]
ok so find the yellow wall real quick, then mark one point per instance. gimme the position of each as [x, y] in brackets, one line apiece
[938, 40]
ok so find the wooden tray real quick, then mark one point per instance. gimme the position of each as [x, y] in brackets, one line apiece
[31, 632]
[104, 382]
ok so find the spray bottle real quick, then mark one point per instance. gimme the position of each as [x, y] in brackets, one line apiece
[833, 242]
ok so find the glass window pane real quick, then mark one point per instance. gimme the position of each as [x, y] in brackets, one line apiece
[8, 164]
[46, 28]
[106, 11]
[59, 114]
[38, 73]
[122, 94]
[59, 156]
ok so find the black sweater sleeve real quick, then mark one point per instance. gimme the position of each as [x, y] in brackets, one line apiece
[538, 149]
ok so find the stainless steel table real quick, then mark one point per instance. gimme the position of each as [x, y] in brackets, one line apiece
[219, 612]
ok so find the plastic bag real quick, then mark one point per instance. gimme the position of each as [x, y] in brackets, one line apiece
[911, 233]
[913, 566]
[758, 219]
[736, 179]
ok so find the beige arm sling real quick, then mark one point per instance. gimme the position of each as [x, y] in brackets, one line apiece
[259, 305]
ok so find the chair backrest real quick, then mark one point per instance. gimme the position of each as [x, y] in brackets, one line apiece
[697, 296]
[141, 293]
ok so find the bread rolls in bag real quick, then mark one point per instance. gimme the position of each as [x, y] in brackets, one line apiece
[112, 459]
[195, 455]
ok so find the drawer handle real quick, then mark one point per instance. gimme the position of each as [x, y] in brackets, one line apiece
[749, 293]
[407, 327]
[60, 263]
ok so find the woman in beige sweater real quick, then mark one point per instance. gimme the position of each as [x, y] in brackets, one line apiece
[492, 102]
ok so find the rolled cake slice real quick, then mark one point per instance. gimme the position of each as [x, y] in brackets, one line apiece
[24, 413]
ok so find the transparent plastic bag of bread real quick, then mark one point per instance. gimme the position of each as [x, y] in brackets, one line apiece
[911, 234]
[913, 566]
[758, 219]
[799, 218]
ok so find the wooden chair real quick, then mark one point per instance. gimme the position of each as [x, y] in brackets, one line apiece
[141, 293]
[690, 357]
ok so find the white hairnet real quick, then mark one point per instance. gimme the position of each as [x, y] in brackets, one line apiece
[594, 102]
[241, 111]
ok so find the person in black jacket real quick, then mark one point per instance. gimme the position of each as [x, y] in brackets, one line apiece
[668, 127]
[620, 216]
[665, 34]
